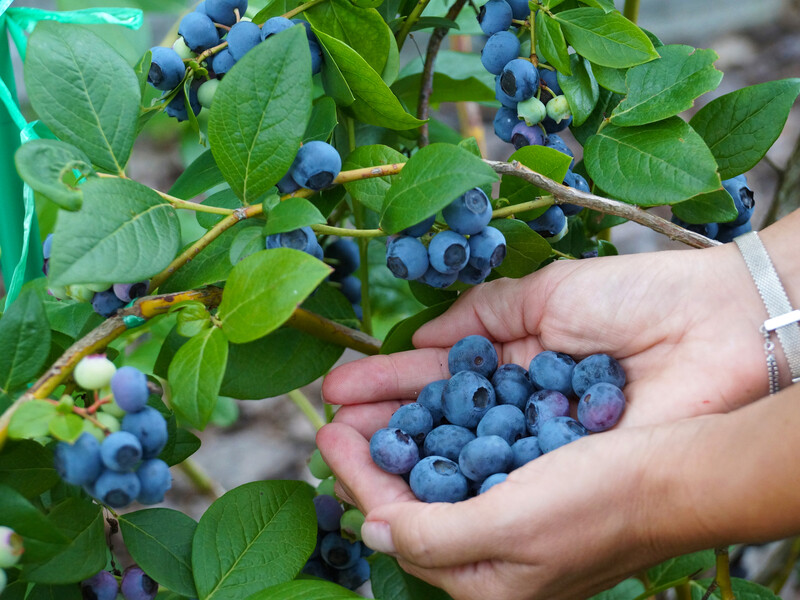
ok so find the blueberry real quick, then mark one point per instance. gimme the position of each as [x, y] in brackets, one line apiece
[129, 386]
[448, 252]
[150, 427]
[601, 407]
[519, 9]
[519, 79]
[447, 440]
[558, 108]
[275, 25]
[552, 371]
[504, 99]
[597, 368]
[102, 586]
[438, 479]
[551, 126]
[354, 576]
[742, 199]
[177, 106]
[201, 8]
[552, 224]
[504, 122]
[136, 584]
[710, 230]
[576, 181]
[473, 276]
[338, 552]
[222, 62]
[485, 456]
[473, 353]
[466, 398]
[316, 56]
[393, 450]
[487, 249]
[317, 466]
[559, 431]
[47, 246]
[359, 312]
[500, 49]
[351, 288]
[431, 398]
[414, 419]
[351, 523]
[317, 568]
[302, 239]
[198, 31]
[491, 481]
[406, 257]
[556, 142]
[154, 480]
[726, 233]
[435, 279]
[346, 255]
[166, 68]
[310, 36]
[316, 165]
[117, 490]
[525, 450]
[526, 135]
[495, 16]
[130, 291]
[94, 372]
[549, 77]
[329, 512]
[420, 228]
[590, 254]
[543, 406]
[505, 421]
[121, 451]
[106, 303]
[243, 37]
[469, 213]
[222, 11]
[79, 463]
[512, 385]
[532, 111]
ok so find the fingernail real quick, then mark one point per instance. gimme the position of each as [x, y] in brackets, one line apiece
[378, 536]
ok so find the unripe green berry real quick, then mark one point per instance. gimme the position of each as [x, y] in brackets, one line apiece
[318, 467]
[532, 110]
[108, 421]
[182, 49]
[351, 523]
[98, 287]
[326, 487]
[206, 92]
[57, 291]
[558, 109]
[94, 372]
[80, 292]
[10, 547]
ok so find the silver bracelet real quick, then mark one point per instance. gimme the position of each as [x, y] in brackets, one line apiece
[782, 319]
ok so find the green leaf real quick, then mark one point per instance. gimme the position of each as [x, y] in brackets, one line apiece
[399, 337]
[605, 5]
[714, 207]
[390, 582]
[66, 428]
[160, 541]
[264, 289]
[40, 539]
[545, 161]
[610, 79]
[248, 240]
[434, 22]
[70, 66]
[259, 115]
[195, 375]
[741, 126]
[81, 522]
[142, 71]
[258, 534]
[371, 192]
[333, 81]
[580, 88]
[429, 296]
[625, 590]
[200, 176]
[322, 122]
[304, 590]
[550, 43]
[681, 566]
[128, 234]
[26, 340]
[27, 467]
[649, 165]
[432, 178]
[54, 592]
[605, 104]
[70, 317]
[742, 589]
[363, 29]
[292, 213]
[667, 86]
[186, 444]
[457, 77]
[525, 249]
[226, 198]
[47, 166]
[374, 103]
[607, 39]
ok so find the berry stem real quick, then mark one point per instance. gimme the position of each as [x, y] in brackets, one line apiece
[201, 480]
[305, 6]
[343, 232]
[723, 576]
[412, 18]
[331, 331]
[184, 204]
[302, 402]
[683, 591]
[534, 58]
[507, 211]
[631, 10]
[562, 254]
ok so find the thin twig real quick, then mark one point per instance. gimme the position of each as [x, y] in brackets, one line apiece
[412, 18]
[302, 402]
[723, 575]
[331, 331]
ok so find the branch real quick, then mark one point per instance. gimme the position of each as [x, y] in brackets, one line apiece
[723, 576]
[409, 22]
[568, 195]
[331, 331]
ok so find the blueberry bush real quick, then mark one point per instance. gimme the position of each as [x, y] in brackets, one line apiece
[326, 209]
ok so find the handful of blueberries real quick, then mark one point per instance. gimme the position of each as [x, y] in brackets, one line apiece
[463, 435]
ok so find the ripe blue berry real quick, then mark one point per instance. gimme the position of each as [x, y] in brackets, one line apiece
[552, 126]
[329, 512]
[121, 451]
[726, 233]
[519, 79]
[198, 31]
[338, 552]
[447, 440]
[393, 450]
[504, 99]
[549, 78]
[597, 368]
[552, 224]
[559, 431]
[500, 49]
[275, 25]
[485, 456]
[542, 406]
[317, 568]
[166, 68]
[472, 276]
[222, 11]
[504, 420]
[473, 353]
[136, 584]
[438, 280]
[742, 199]
[504, 122]
[492, 481]
[150, 427]
[316, 56]
[154, 479]
[116, 489]
[310, 36]
[525, 450]
[431, 398]
[469, 213]
[556, 142]
[354, 576]
[466, 398]
[495, 16]
[222, 62]
[243, 37]
[601, 407]
[573, 180]
[487, 249]
[302, 239]
[438, 479]
[406, 257]
[316, 165]
[519, 9]
[129, 386]
[351, 288]
[512, 385]
[710, 230]
[526, 135]
[102, 586]
[346, 255]
[47, 246]
[130, 291]
[552, 371]
[177, 106]
[106, 303]
[420, 228]
[414, 419]
[79, 463]
[448, 252]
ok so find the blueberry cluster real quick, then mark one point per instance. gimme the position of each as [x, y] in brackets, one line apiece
[726, 232]
[106, 298]
[11, 550]
[211, 24]
[468, 251]
[338, 556]
[134, 585]
[343, 256]
[122, 466]
[465, 434]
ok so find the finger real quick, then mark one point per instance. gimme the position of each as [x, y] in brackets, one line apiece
[367, 418]
[346, 452]
[385, 377]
